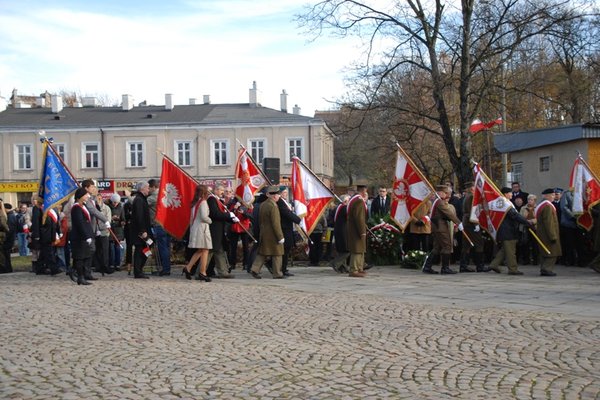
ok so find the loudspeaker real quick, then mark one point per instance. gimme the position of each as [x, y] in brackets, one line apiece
[271, 169]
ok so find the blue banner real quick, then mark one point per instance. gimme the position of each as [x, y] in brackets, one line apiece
[56, 184]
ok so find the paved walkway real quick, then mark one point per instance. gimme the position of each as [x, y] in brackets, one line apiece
[398, 334]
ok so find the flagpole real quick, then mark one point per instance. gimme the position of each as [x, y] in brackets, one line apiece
[49, 143]
[542, 245]
[175, 164]
[319, 179]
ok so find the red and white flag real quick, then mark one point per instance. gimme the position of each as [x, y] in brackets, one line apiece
[477, 125]
[250, 178]
[489, 205]
[174, 202]
[410, 190]
[311, 196]
[586, 192]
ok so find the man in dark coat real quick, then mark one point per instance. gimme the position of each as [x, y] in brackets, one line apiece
[81, 237]
[141, 230]
[219, 216]
[548, 232]
[97, 218]
[475, 234]
[441, 215]
[518, 194]
[380, 205]
[271, 239]
[288, 219]
[11, 236]
[356, 231]
[507, 236]
[340, 263]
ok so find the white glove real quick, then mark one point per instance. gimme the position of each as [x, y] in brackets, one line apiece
[89, 241]
[461, 227]
[107, 224]
[231, 215]
[477, 228]
[281, 241]
[235, 220]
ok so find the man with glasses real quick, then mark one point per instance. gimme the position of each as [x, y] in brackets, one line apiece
[380, 205]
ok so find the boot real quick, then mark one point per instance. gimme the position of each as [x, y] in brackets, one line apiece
[428, 264]
[81, 280]
[479, 264]
[446, 265]
[87, 273]
[464, 263]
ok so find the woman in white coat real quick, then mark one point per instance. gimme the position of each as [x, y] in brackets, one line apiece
[200, 238]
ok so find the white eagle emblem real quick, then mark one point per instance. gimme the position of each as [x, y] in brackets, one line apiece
[171, 197]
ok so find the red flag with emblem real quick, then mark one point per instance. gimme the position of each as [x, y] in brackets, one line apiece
[250, 178]
[311, 196]
[586, 192]
[411, 189]
[489, 204]
[174, 202]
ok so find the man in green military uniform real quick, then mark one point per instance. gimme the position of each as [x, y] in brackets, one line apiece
[548, 232]
[271, 239]
[356, 232]
[442, 214]
[474, 231]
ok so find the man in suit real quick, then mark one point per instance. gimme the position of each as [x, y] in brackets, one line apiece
[356, 232]
[271, 239]
[518, 194]
[220, 217]
[548, 232]
[441, 215]
[380, 205]
[141, 229]
[97, 218]
[288, 219]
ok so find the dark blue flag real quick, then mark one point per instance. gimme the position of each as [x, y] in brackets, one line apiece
[57, 183]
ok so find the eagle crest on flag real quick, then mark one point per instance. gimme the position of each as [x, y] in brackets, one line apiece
[171, 198]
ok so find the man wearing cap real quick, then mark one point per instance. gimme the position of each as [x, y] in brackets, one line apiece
[507, 236]
[356, 231]
[271, 239]
[474, 231]
[441, 215]
[548, 232]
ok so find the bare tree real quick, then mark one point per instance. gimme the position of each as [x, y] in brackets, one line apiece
[461, 50]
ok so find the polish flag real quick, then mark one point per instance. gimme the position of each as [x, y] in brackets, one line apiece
[586, 192]
[489, 204]
[311, 196]
[250, 178]
[477, 125]
[410, 190]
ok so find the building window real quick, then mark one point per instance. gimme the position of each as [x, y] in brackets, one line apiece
[183, 153]
[294, 148]
[91, 155]
[60, 149]
[135, 154]
[257, 149]
[544, 164]
[517, 172]
[23, 158]
[220, 152]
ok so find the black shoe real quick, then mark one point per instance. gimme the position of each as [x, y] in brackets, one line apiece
[430, 271]
[117, 269]
[334, 267]
[495, 269]
[164, 273]
[515, 273]
[72, 275]
[367, 267]
[90, 278]
[204, 278]
[483, 269]
[466, 269]
[547, 273]
[141, 277]
[286, 273]
[255, 275]
[447, 271]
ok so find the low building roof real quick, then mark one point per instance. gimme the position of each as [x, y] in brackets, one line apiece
[523, 140]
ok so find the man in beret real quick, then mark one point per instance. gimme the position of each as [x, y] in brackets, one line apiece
[507, 236]
[441, 215]
[474, 231]
[356, 231]
[271, 239]
[548, 232]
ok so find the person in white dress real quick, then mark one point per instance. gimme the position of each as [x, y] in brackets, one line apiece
[200, 238]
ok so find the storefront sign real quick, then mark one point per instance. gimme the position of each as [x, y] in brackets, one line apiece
[17, 187]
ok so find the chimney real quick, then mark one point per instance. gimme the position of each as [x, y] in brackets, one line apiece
[283, 100]
[254, 95]
[89, 102]
[193, 101]
[40, 102]
[168, 101]
[206, 99]
[127, 102]
[296, 110]
[57, 103]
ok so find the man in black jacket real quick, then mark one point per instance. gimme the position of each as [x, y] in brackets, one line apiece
[140, 229]
[288, 219]
[9, 240]
[219, 216]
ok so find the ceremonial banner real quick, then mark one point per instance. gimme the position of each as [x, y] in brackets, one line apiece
[477, 125]
[174, 202]
[411, 189]
[57, 183]
[250, 178]
[489, 205]
[311, 196]
[586, 192]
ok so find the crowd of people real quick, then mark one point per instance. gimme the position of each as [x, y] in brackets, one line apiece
[90, 234]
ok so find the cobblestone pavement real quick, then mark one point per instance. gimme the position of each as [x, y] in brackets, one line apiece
[395, 334]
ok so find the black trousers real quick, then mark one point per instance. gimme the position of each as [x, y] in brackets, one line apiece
[139, 259]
